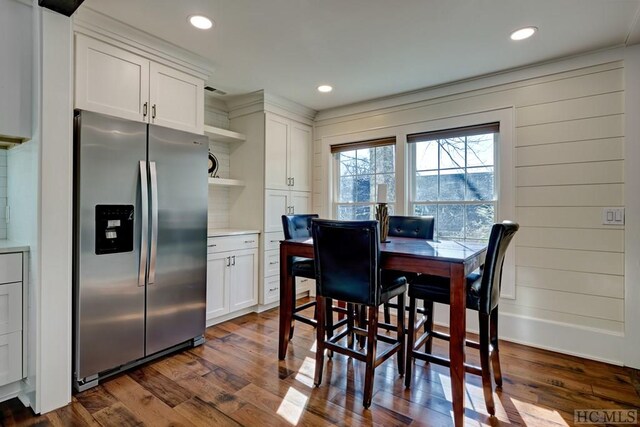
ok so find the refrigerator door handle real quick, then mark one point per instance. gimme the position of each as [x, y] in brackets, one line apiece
[154, 222]
[144, 193]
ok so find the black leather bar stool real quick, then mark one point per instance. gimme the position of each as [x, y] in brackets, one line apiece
[483, 295]
[298, 226]
[415, 227]
[347, 257]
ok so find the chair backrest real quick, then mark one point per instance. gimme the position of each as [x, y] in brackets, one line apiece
[501, 235]
[419, 227]
[347, 259]
[297, 226]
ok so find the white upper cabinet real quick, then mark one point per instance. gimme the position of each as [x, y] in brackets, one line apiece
[114, 81]
[276, 153]
[288, 154]
[176, 99]
[110, 80]
[300, 156]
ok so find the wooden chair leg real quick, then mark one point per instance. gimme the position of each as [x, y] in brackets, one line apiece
[400, 334]
[362, 322]
[350, 309]
[320, 337]
[328, 320]
[411, 337]
[372, 332]
[485, 363]
[428, 325]
[495, 354]
[387, 314]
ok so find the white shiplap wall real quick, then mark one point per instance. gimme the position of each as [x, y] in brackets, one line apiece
[569, 164]
[219, 196]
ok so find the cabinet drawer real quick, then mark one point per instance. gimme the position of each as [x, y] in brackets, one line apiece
[271, 289]
[10, 308]
[304, 284]
[271, 263]
[10, 358]
[11, 268]
[272, 240]
[231, 243]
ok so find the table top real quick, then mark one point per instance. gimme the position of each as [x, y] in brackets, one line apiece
[442, 250]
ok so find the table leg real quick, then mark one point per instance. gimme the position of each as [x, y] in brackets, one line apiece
[457, 311]
[286, 302]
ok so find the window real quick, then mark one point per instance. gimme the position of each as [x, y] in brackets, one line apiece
[360, 167]
[453, 179]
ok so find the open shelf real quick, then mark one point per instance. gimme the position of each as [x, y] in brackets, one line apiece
[223, 135]
[226, 182]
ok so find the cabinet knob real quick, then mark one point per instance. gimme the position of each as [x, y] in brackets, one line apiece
[144, 109]
[233, 258]
[153, 111]
[273, 289]
[249, 241]
[273, 262]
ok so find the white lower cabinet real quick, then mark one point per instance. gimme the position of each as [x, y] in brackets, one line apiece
[11, 317]
[232, 274]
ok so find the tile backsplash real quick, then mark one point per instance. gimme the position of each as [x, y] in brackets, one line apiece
[219, 196]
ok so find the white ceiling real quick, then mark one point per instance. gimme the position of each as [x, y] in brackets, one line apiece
[371, 48]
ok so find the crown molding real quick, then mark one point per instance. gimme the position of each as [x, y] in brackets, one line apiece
[260, 101]
[104, 28]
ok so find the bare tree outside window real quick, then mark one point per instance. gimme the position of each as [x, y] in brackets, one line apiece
[454, 180]
[359, 173]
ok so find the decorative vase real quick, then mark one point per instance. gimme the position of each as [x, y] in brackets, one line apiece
[382, 215]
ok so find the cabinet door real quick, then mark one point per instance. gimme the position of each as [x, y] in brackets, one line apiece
[110, 80]
[10, 308]
[301, 202]
[300, 156]
[10, 357]
[276, 173]
[276, 204]
[217, 284]
[243, 284]
[176, 99]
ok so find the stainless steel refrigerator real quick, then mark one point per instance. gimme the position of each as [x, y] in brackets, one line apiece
[140, 243]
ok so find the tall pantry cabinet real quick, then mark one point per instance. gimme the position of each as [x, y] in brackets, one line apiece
[277, 166]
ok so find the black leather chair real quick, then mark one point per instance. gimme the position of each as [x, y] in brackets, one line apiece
[347, 257]
[298, 226]
[415, 227]
[483, 294]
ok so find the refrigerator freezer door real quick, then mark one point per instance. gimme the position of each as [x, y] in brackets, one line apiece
[108, 303]
[176, 292]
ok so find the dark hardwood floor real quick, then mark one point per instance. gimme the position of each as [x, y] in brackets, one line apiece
[236, 379]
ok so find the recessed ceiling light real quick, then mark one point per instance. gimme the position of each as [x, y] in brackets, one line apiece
[324, 88]
[523, 33]
[200, 22]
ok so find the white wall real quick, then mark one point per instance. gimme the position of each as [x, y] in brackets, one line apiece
[218, 214]
[569, 163]
[3, 194]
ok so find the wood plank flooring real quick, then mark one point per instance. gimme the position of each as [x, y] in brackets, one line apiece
[235, 379]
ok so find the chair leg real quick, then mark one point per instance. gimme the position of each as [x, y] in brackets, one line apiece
[495, 354]
[400, 334]
[320, 337]
[428, 325]
[372, 332]
[293, 305]
[328, 313]
[350, 308]
[485, 363]
[411, 337]
[387, 313]
[362, 322]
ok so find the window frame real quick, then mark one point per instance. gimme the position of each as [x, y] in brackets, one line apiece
[359, 145]
[412, 171]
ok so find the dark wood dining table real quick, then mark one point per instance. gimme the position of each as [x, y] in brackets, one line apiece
[451, 259]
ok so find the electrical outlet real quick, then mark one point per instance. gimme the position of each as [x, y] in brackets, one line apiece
[613, 216]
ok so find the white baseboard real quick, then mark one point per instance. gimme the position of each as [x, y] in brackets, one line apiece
[588, 343]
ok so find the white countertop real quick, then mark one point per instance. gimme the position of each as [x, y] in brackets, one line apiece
[218, 232]
[7, 246]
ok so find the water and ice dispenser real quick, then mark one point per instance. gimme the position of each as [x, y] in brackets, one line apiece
[114, 229]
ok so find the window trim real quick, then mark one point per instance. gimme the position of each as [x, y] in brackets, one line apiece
[465, 131]
[358, 145]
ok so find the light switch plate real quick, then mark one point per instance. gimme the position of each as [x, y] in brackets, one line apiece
[613, 216]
